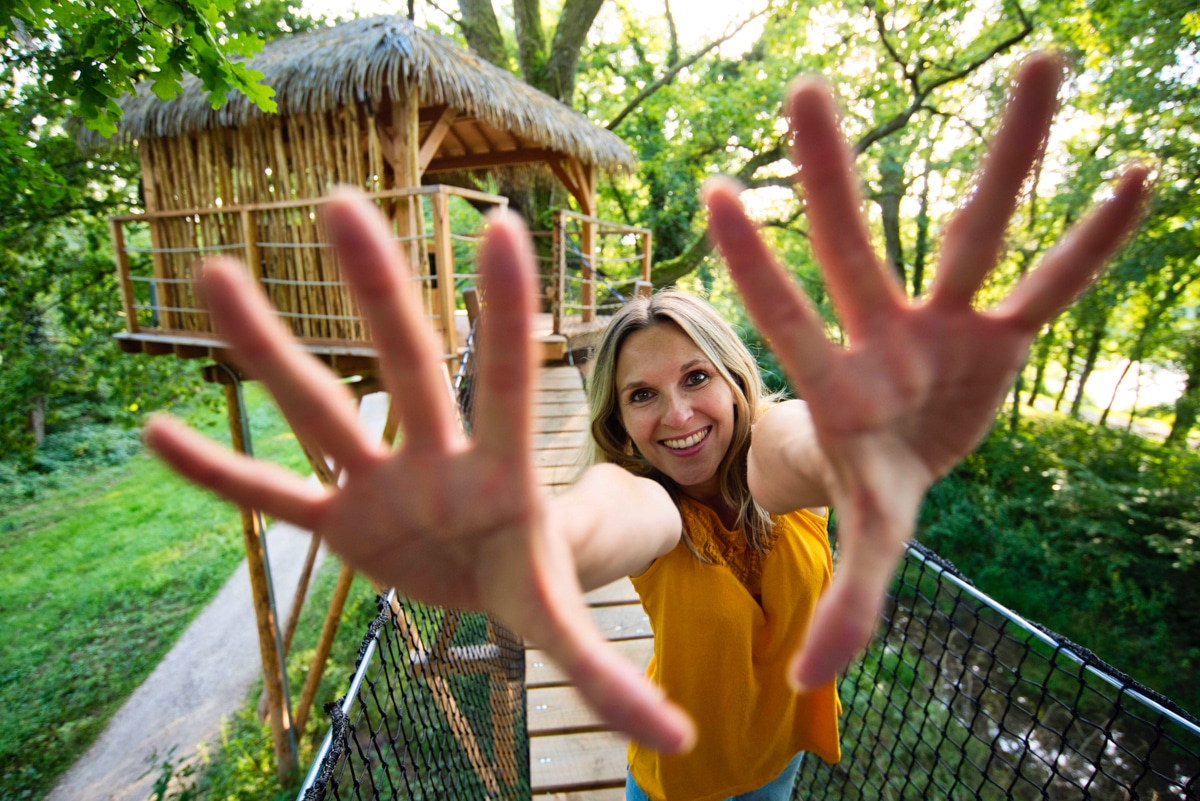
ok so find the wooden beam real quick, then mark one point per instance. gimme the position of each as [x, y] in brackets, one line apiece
[567, 181]
[494, 159]
[127, 302]
[282, 732]
[428, 114]
[434, 137]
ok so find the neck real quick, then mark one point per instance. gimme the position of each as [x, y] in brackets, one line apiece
[712, 498]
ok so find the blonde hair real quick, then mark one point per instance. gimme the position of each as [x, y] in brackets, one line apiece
[729, 355]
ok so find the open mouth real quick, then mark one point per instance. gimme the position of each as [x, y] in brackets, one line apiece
[690, 441]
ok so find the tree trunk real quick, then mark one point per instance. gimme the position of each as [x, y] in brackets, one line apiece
[891, 192]
[1116, 388]
[1137, 398]
[921, 246]
[37, 420]
[1042, 348]
[1095, 340]
[481, 29]
[1068, 367]
[1187, 405]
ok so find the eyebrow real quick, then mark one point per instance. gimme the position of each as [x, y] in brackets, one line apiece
[683, 368]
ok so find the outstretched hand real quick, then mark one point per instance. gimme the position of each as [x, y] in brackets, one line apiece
[919, 384]
[444, 519]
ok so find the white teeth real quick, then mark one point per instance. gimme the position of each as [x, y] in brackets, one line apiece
[686, 442]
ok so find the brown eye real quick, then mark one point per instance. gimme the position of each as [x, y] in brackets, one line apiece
[696, 378]
[639, 395]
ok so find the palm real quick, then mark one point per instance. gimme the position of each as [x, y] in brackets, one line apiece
[919, 385]
[445, 520]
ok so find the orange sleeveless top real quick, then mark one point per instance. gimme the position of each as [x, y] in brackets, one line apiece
[723, 636]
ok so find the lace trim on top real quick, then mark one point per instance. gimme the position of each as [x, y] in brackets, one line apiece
[720, 546]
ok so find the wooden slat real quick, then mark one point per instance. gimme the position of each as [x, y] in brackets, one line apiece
[557, 395]
[579, 762]
[624, 622]
[557, 457]
[545, 425]
[559, 710]
[609, 794]
[559, 476]
[541, 672]
[620, 591]
[559, 409]
[557, 440]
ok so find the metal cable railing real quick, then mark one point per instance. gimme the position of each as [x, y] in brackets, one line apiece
[961, 698]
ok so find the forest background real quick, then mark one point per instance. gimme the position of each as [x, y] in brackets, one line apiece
[1081, 510]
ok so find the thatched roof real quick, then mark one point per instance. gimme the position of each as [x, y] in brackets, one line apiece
[330, 67]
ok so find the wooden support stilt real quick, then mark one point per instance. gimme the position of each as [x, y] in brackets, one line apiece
[272, 663]
[444, 257]
[443, 696]
[334, 616]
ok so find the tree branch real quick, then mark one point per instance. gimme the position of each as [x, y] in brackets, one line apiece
[569, 37]
[673, 53]
[675, 69]
[901, 118]
[531, 41]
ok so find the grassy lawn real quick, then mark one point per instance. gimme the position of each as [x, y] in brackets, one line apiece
[101, 576]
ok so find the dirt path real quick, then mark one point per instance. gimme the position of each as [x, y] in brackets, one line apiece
[204, 678]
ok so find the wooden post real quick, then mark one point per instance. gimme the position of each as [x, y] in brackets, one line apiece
[444, 254]
[164, 293]
[560, 251]
[272, 664]
[587, 246]
[336, 605]
[556, 247]
[646, 248]
[587, 184]
[398, 124]
[250, 245]
[122, 259]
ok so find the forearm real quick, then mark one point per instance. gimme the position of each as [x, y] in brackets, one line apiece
[615, 522]
[786, 468]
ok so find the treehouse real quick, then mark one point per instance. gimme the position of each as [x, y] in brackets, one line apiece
[422, 127]
[407, 116]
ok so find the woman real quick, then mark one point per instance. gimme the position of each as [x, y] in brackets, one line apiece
[673, 396]
[914, 392]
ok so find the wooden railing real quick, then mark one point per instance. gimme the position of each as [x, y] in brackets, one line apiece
[598, 266]
[287, 251]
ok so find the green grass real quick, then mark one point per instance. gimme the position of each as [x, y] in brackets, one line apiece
[101, 575]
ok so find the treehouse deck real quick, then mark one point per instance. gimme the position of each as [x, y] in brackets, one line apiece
[573, 757]
[346, 357]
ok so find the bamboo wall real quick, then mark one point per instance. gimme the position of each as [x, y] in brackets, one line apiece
[284, 159]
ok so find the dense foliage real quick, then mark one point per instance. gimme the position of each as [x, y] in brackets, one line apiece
[59, 304]
[1088, 531]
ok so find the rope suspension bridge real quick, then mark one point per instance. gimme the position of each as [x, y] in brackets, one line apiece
[956, 697]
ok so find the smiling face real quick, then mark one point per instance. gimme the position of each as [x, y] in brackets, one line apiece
[676, 408]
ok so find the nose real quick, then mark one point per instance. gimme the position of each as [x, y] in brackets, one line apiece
[678, 412]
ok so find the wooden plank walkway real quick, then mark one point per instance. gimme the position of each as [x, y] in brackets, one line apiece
[572, 755]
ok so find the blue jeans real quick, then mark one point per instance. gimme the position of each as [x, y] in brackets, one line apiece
[778, 789]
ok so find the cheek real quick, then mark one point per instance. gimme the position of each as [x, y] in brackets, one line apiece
[639, 426]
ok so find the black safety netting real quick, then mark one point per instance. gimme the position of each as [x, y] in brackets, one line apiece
[959, 698]
[436, 707]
